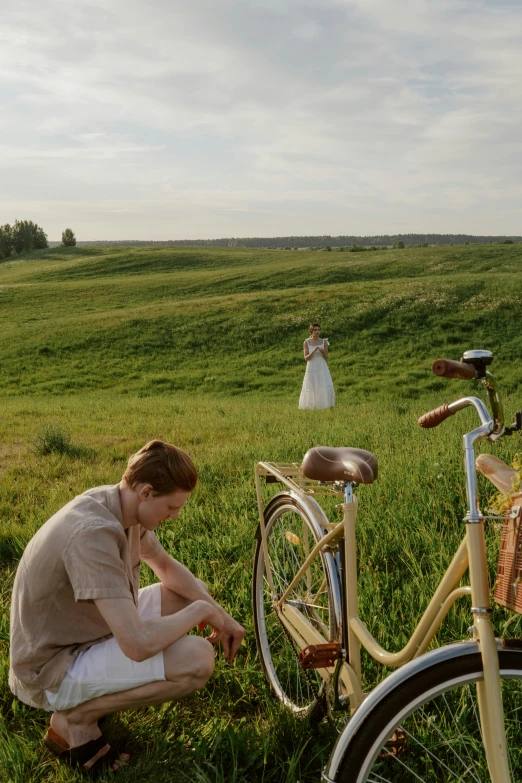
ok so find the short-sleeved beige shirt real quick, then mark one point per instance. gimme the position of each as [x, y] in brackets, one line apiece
[80, 554]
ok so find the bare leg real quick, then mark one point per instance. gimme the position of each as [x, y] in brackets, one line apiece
[189, 663]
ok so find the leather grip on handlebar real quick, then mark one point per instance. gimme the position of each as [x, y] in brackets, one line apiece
[447, 368]
[436, 417]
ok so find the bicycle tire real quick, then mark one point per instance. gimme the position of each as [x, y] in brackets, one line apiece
[439, 704]
[287, 520]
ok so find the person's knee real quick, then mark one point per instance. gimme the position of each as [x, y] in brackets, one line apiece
[191, 657]
[206, 660]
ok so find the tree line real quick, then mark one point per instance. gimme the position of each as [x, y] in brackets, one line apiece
[380, 240]
[22, 237]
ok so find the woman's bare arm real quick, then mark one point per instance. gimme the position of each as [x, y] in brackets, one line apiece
[324, 349]
[307, 352]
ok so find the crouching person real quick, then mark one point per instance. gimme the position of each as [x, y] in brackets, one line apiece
[85, 640]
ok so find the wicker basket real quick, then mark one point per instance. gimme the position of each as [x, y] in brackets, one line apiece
[508, 584]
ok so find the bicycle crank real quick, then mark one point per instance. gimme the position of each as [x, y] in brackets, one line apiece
[320, 656]
[395, 746]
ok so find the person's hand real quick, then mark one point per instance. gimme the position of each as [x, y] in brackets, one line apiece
[212, 616]
[231, 635]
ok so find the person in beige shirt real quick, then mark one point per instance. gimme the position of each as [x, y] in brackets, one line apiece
[85, 640]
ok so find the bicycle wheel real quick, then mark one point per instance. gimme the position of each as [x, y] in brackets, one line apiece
[292, 531]
[436, 713]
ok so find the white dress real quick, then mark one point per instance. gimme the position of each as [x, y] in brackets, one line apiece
[318, 391]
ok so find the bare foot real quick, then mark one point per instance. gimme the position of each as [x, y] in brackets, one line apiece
[76, 734]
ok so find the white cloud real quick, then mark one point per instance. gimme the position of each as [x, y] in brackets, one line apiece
[331, 115]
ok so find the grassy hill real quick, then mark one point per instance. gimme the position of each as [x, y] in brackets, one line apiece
[152, 320]
[110, 347]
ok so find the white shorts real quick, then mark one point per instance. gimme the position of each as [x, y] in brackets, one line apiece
[103, 668]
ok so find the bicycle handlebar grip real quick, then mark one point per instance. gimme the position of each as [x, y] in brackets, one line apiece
[447, 368]
[435, 417]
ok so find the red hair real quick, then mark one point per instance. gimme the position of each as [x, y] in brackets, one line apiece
[164, 466]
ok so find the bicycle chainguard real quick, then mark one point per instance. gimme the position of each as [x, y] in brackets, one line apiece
[320, 656]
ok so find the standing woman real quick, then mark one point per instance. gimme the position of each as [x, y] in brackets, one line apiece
[318, 391]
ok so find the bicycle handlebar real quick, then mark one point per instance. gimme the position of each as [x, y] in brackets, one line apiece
[447, 368]
[435, 417]
[467, 371]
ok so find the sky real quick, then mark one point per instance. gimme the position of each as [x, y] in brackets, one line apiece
[169, 119]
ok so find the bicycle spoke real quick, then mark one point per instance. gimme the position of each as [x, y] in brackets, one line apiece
[289, 538]
[473, 703]
[396, 758]
[460, 735]
[433, 756]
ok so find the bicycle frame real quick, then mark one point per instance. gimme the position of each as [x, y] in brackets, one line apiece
[471, 555]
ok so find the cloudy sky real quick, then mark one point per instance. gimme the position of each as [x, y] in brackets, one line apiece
[170, 119]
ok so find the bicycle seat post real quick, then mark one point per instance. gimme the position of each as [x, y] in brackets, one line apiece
[349, 508]
[348, 492]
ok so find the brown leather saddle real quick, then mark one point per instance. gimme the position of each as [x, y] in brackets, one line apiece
[324, 463]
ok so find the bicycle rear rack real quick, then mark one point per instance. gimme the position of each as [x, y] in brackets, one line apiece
[290, 473]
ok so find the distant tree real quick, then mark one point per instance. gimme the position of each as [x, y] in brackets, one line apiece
[39, 237]
[6, 241]
[68, 238]
[399, 244]
[328, 247]
[23, 241]
[27, 236]
[507, 242]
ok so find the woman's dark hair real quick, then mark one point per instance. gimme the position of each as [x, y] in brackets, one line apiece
[165, 467]
[311, 327]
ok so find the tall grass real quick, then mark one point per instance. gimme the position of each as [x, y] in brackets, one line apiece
[409, 526]
[110, 348]
[152, 321]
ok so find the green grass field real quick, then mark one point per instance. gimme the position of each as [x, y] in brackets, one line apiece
[203, 347]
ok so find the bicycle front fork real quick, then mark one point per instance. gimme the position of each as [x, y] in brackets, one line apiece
[489, 694]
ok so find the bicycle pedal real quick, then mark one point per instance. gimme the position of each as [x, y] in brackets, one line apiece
[395, 746]
[320, 656]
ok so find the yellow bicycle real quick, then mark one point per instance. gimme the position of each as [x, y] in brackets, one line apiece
[452, 714]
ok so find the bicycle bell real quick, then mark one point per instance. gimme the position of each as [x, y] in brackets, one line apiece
[479, 359]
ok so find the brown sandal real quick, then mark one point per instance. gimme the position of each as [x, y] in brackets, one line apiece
[79, 756]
